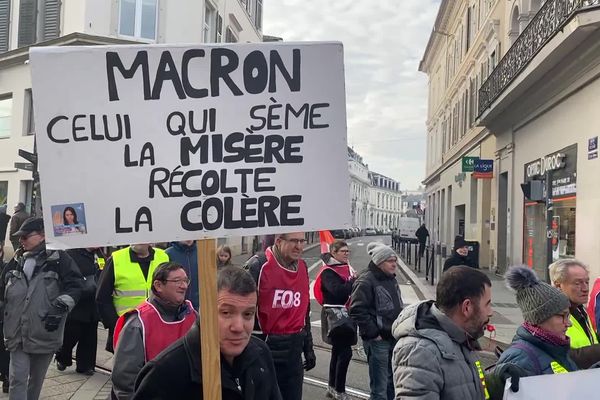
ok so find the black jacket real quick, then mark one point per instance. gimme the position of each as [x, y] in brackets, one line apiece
[177, 373]
[85, 310]
[422, 234]
[375, 303]
[457, 259]
[3, 225]
[335, 289]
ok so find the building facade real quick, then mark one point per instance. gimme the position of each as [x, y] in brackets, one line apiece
[465, 45]
[25, 23]
[386, 202]
[540, 102]
[360, 189]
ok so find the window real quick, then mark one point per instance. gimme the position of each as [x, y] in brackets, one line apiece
[258, 15]
[4, 25]
[210, 21]
[230, 37]
[39, 20]
[5, 115]
[28, 124]
[137, 18]
[3, 194]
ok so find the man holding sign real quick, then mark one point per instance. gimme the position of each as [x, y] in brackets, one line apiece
[283, 310]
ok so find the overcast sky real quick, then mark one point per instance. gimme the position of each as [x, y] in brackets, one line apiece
[386, 96]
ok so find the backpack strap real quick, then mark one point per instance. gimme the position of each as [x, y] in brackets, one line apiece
[527, 348]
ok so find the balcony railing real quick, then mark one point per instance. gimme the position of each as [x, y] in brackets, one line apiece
[549, 20]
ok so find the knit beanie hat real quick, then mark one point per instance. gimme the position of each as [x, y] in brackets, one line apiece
[379, 252]
[537, 300]
[459, 242]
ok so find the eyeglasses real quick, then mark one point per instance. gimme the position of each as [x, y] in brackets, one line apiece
[296, 242]
[564, 316]
[179, 282]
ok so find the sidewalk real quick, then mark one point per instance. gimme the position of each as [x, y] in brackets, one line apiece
[507, 315]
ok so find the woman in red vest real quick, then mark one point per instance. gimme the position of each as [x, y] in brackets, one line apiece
[333, 286]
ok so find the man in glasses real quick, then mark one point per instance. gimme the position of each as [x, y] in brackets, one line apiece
[37, 290]
[283, 310]
[142, 333]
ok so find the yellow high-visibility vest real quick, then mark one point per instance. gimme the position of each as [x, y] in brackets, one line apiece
[131, 288]
[557, 368]
[577, 334]
[482, 379]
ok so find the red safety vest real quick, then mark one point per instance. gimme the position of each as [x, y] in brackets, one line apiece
[283, 297]
[345, 272]
[163, 333]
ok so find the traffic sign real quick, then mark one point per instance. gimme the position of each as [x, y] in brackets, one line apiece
[24, 166]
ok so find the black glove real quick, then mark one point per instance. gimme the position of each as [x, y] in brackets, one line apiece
[54, 316]
[496, 380]
[310, 360]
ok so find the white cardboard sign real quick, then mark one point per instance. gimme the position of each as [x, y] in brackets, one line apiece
[572, 385]
[157, 143]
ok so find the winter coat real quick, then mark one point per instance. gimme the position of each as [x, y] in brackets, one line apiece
[3, 225]
[537, 359]
[85, 310]
[16, 221]
[177, 373]
[457, 259]
[422, 234]
[335, 289]
[55, 278]
[375, 303]
[187, 256]
[130, 354]
[433, 358]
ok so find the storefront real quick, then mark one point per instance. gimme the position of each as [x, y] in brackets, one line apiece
[549, 224]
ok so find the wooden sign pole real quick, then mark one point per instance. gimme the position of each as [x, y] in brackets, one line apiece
[209, 331]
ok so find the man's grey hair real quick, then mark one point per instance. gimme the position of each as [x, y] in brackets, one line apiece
[235, 280]
[559, 269]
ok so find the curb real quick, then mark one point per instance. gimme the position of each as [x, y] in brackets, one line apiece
[427, 291]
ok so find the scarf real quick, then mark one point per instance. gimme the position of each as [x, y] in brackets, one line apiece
[546, 336]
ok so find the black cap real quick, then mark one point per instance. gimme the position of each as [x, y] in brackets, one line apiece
[459, 242]
[33, 224]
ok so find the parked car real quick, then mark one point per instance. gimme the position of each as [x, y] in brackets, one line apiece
[339, 233]
[370, 232]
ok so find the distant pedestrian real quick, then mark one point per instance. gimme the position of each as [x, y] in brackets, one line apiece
[16, 221]
[459, 255]
[185, 253]
[4, 218]
[333, 286]
[125, 283]
[223, 256]
[38, 289]
[422, 235]
[141, 334]
[81, 329]
[4, 353]
[247, 370]
[283, 317]
[375, 303]
[434, 357]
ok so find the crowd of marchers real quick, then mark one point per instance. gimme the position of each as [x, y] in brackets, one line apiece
[147, 298]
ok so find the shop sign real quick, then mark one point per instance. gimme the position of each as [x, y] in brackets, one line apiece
[468, 164]
[549, 163]
[593, 144]
[483, 169]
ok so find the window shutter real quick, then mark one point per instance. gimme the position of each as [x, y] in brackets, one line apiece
[4, 21]
[27, 22]
[51, 19]
[219, 30]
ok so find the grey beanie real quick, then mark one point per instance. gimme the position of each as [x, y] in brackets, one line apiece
[537, 300]
[379, 252]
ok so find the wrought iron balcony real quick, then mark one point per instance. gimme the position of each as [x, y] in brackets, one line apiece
[549, 20]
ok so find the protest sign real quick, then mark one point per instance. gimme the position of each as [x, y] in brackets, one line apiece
[159, 143]
[572, 385]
